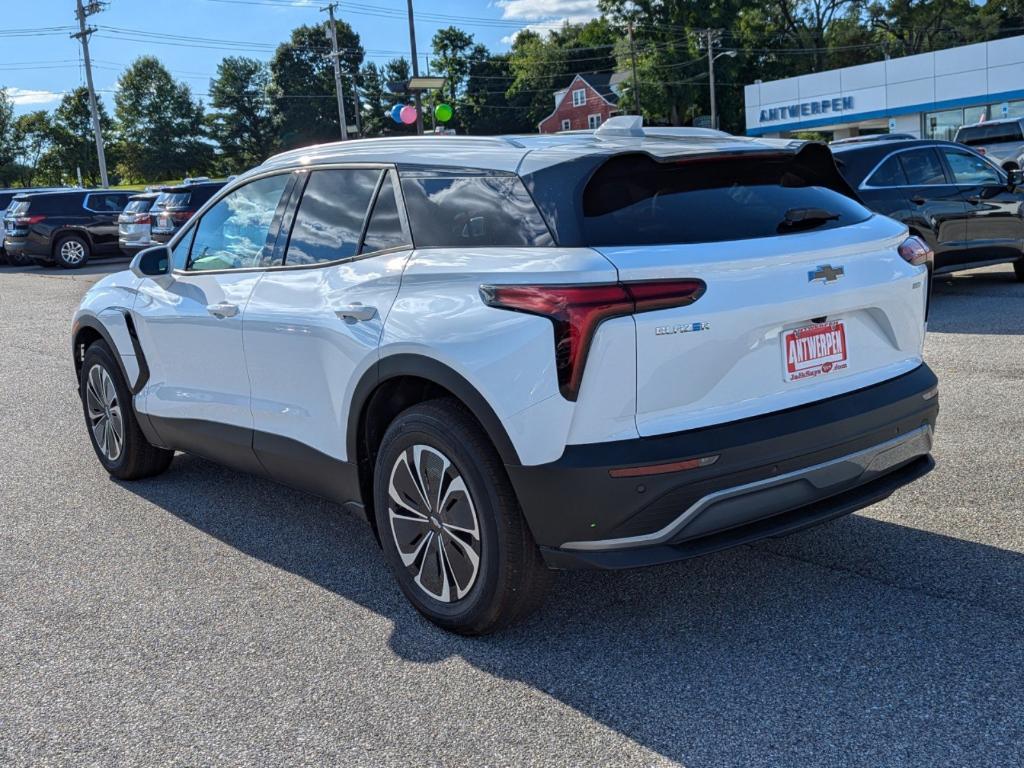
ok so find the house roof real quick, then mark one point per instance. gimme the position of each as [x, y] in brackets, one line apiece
[602, 83]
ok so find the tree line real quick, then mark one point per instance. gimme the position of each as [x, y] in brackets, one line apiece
[159, 129]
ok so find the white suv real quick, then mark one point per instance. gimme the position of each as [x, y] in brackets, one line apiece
[603, 349]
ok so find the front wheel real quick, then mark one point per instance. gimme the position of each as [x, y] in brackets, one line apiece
[72, 251]
[450, 524]
[110, 418]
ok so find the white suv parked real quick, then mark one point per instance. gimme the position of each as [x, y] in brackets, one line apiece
[602, 349]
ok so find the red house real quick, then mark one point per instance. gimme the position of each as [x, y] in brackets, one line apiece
[588, 101]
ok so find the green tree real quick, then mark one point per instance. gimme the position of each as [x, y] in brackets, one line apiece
[907, 27]
[452, 51]
[72, 144]
[485, 108]
[302, 88]
[8, 139]
[396, 71]
[160, 131]
[371, 98]
[34, 135]
[241, 123]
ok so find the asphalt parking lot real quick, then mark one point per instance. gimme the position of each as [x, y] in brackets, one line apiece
[207, 617]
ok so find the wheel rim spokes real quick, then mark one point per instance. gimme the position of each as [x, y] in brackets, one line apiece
[104, 413]
[434, 523]
[72, 252]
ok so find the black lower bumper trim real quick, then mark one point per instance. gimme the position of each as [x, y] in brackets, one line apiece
[772, 527]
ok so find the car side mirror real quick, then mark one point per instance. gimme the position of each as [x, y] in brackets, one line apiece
[1014, 178]
[154, 263]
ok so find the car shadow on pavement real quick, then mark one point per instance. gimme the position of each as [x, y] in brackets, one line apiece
[861, 642]
[985, 301]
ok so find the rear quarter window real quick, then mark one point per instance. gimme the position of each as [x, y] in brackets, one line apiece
[458, 211]
[635, 200]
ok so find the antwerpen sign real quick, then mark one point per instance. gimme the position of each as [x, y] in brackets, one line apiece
[807, 109]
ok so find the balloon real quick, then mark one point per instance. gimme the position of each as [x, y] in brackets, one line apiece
[443, 113]
[396, 113]
[408, 114]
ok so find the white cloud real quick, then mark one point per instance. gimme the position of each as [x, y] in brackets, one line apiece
[22, 96]
[537, 10]
[542, 27]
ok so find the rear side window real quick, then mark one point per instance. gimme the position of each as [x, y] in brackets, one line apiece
[330, 218]
[635, 200]
[105, 203]
[889, 174]
[922, 167]
[385, 227]
[992, 133]
[971, 169]
[459, 211]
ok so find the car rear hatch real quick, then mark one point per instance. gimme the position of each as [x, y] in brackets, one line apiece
[807, 296]
[17, 219]
[173, 208]
[135, 220]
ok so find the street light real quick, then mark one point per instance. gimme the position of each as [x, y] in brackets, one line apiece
[712, 58]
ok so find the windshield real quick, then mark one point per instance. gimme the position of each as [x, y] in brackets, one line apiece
[138, 206]
[168, 200]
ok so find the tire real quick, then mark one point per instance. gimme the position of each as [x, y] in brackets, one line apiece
[434, 561]
[71, 251]
[1018, 269]
[105, 401]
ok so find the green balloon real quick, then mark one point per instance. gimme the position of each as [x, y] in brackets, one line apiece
[443, 113]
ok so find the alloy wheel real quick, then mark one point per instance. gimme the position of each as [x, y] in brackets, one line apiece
[104, 412]
[434, 523]
[72, 252]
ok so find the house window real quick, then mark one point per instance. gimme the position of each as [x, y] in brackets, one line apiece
[593, 121]
[566, 125]
[579, 97]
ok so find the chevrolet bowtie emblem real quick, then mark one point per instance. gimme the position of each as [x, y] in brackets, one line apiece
[826, 273]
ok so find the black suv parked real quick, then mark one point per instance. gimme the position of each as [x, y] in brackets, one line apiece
[65, 228]
[967, 209]
[6, 197]
[176, 205]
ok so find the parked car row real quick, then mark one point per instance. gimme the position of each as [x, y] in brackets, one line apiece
[968, 209]
[68, 227]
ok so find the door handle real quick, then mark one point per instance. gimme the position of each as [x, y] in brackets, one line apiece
[974, 199]
[222, 310]
[356, 311]
[918, 200]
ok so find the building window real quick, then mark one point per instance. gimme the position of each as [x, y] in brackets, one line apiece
[566, 125]
[943, 125]
[593, 121]
[1014, 109]
[579, 97]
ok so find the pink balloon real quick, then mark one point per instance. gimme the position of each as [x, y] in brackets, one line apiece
[408, 114]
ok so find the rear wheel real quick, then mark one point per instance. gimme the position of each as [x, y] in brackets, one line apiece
[450, 524]
[71, 251]
[110, 418]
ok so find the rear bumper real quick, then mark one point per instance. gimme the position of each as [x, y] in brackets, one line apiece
[773, 474]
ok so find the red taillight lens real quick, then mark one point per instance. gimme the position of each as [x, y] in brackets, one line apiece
[180, 217]
[142, 218]
[577, 310]
[915, 252]
[28, 221]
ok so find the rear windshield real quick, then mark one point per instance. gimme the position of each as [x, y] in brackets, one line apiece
[992, 133]
[138, 206]
[461, 210]
[171, 200]
[635, 200]
[18, 208]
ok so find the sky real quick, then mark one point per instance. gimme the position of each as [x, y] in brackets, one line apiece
[39, 61]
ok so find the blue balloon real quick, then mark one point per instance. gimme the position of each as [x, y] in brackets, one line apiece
[396, 113]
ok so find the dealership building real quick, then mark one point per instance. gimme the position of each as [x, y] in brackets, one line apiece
[928, 95]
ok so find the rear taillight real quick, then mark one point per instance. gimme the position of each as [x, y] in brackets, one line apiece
[142, 218]
[914, 251]
[180, 217]
[28, 221]
[577, 310]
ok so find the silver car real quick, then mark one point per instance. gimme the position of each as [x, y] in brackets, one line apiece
[1001, 141]
[134, 225]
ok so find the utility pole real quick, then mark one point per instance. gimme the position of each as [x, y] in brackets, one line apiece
[339, 88]
[415, 68]
[632, 55]
[710, 39]
[81, 12]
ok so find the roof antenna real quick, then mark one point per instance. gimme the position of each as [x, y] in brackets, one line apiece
[621, 125]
